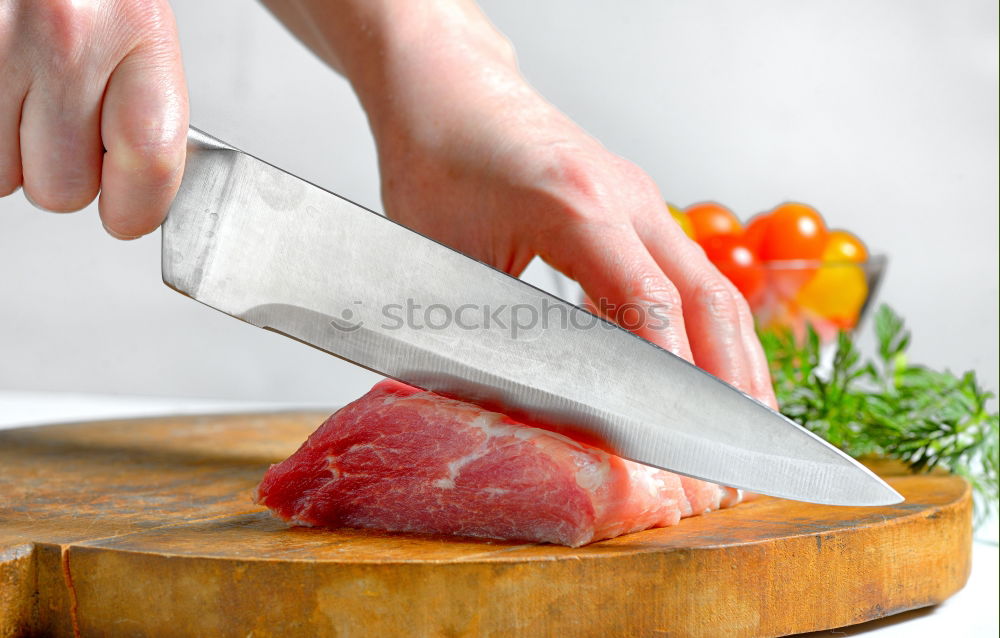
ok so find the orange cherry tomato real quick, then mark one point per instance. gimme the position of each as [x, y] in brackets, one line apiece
[682, 220]
[734, 259]
[794, 231]
[709, 219]
[843, 246]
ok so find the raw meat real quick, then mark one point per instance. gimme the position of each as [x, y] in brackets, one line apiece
[401, 459]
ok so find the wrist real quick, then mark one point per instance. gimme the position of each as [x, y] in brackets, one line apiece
[409, 62]
[419, 54]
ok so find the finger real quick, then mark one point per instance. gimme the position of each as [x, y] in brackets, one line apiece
[11, 100]
[60, 148]
[618, 274]
[760, 373]
[712, 305]
[10, 147]
[144, 127]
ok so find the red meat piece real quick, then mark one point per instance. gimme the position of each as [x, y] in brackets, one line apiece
[401, 459]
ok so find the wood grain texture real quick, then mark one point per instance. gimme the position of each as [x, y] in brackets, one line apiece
[145, 527]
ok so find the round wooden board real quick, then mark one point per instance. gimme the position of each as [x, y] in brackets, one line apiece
[145, 527]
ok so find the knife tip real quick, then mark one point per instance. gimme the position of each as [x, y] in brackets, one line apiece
[876, 492]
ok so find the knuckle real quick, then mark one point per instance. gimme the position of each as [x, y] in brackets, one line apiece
[653, 289]
[572, 181]
[159, 164]
[744, 312]
[73, 31]
[566, 167]
[632, 183]
[640, 183]
[654, 309]
[719, 298]
[152, 153]
[67, 27]
[505, 49]
[591, 183]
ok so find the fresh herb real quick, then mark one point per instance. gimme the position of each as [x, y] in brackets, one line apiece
[887, 406]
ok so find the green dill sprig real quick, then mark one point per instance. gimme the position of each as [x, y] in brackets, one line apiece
[887, 406]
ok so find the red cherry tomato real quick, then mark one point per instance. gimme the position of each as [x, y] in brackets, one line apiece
[755, 230]
[794, 231]
[709, 219]
[734, 259]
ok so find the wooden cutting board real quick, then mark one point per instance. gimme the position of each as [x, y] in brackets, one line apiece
[145, 527]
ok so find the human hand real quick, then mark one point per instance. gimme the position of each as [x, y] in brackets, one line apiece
[93, 99]
[473, 157]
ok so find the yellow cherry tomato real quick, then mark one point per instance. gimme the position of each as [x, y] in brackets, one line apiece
[682, 220]
[835, 292]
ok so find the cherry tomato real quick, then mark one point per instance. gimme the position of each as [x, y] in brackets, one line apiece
[682, 220]
[734, 259]
[794, 231]
[755, 230]
[843, 246]
[709, 219]
[836, 292]
[839, 289]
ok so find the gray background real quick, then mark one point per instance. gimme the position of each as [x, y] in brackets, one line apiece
[882, 114]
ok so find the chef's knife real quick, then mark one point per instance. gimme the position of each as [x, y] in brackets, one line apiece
[264, 246]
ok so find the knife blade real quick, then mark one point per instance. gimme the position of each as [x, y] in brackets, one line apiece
[255, 242]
